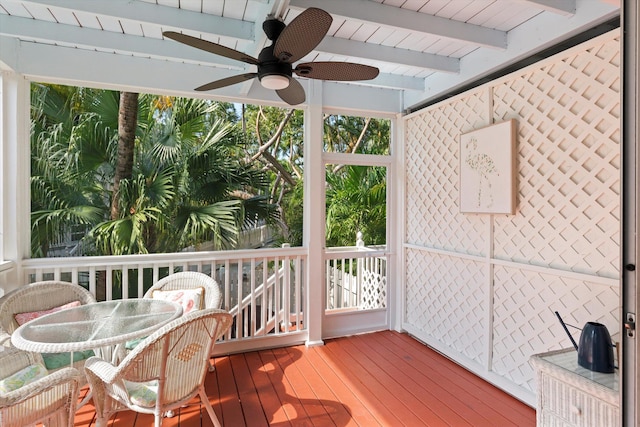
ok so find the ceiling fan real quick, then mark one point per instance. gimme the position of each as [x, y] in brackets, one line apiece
[289, 44]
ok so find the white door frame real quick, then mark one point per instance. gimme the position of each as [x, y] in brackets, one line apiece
[630, 295]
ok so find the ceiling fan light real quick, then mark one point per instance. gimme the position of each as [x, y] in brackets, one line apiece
[274, 81]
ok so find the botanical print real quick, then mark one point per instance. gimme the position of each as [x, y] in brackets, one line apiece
[482, 164]
[487, 172]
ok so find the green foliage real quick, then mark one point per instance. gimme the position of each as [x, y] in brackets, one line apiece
[356, 201]
[356, 195]
[189, 185]
[201, 173]
[349, 134]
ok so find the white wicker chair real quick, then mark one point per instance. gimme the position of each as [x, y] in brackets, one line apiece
[175, 359]
[35, 297]
[39, 296]
[50, 400]
[185, 280]
[190, 280]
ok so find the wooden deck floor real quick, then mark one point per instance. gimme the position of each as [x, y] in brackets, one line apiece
[379, 379]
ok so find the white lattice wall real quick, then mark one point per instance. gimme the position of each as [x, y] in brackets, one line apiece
[483, 288]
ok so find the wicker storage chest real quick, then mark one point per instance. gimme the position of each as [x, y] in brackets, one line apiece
[570, 395]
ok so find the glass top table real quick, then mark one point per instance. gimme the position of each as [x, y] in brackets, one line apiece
[96, 325]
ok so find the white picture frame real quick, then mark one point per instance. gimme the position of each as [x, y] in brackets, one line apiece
[487, 169]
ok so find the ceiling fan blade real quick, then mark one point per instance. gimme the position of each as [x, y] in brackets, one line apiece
[218, 49]
[226, 82]
[302, 35]
[293, 94]
[340, 71]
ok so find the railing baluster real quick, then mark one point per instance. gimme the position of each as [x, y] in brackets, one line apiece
[265, 289]
[346, 290]
[297, 292]
[328, 284]
[353, 279]
[277, 296]
[286, 270]
[227, 285]
[108, 283]
[125, 282]
[74, 275]
[253, 296]
[239, 300]
[140, 270]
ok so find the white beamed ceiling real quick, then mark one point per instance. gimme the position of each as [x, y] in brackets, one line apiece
[423, 48]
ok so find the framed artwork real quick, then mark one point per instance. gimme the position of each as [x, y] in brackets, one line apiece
[487, 169]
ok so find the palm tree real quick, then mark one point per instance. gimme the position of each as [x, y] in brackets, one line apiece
[187, 176]
[185, 183]
[127, 125]
[70, 143]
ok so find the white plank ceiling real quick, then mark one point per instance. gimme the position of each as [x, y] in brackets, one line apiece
[423, 48]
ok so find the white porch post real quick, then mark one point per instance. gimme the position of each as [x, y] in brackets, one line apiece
[396, 226]
[14, 174]
[314, 224]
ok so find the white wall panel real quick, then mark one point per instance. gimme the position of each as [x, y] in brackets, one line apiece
[524, 322]
[484, 288]
[432, 165]
[446, 296]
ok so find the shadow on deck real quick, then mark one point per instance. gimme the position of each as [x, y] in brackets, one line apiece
[377, 379]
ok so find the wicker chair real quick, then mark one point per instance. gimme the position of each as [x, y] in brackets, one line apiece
[190, 280]
[50, 400]
[37, 296]
[164, 372]
[186, 280]
[40, 296]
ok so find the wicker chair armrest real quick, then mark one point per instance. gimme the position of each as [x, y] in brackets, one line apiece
[53, 380]
[101, 369]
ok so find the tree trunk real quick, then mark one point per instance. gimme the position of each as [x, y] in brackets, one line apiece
[127, 124]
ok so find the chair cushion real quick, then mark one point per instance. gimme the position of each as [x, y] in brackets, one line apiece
[189, 299]
[131, 344]
[60, 360]
[22, 318]
[23, 377]
[142, 394]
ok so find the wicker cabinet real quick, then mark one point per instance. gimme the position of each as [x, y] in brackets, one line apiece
[570, 395]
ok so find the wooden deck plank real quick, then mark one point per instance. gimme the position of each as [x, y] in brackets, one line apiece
[85, 416]
[302, 389]
[453, 396]
[410, 383]
[359, 411]
[477, 389]
[318, 387]
[384, 379]
[269, 389]
[230, 408]
[393, 410]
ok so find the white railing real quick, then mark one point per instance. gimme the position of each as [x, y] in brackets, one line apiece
[264, 289]
[269, 284]
[356, 278]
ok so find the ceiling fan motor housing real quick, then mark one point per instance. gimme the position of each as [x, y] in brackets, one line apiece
[270, 65]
